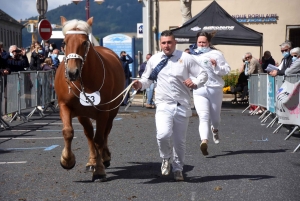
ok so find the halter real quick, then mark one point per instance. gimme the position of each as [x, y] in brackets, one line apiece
[77, 56]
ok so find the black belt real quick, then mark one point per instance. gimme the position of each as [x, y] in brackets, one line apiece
[178, 104]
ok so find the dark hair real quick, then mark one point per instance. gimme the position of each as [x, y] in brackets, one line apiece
[208, 35]
[122, 53]
[167, 33]
[53, 46]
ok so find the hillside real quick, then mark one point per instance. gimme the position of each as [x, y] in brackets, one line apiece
[113, 16]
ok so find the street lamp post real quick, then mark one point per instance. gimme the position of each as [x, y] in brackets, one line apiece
[87, 6]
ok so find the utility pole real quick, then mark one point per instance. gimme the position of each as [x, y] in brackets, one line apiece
[147, 26]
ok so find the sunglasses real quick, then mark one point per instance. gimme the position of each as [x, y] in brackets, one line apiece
[247, 57]
[286, 50]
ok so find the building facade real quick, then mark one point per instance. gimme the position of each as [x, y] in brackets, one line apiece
[278, 21]
[10, 31]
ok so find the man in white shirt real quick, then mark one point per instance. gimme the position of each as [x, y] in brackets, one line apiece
[172, 98]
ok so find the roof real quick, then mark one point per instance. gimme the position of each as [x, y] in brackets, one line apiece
[5, 17]
[228, 30]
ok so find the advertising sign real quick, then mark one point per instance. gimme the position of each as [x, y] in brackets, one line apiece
[118, 43]
[139, 30]
[271, 94]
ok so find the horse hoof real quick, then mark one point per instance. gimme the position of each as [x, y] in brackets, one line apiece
[67, 168]
[89, 168]
[106, 164]
[99, 178]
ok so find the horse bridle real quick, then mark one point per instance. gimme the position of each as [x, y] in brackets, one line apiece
[75, 55]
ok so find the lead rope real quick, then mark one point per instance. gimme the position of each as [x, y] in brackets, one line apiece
[126, 90]
[76, 56]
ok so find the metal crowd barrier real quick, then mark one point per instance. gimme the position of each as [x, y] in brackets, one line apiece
[292, 78]
[262, 89]
[253, 88]
[262, 92]
[2, 121]
[25, 90]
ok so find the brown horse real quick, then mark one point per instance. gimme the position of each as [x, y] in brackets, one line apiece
[87, 74]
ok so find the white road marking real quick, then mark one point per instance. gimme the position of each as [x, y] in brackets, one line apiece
[32, 148]
[60, 123]
[15, 162]
[33, 138]
[44, 130]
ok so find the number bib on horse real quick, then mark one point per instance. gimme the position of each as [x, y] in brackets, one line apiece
[93, 97]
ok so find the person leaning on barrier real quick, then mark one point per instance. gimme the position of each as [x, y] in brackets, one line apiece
[295, 66]
[17, 60]
[254, 66]
[37, 58]
[266, 60]
[286, 60]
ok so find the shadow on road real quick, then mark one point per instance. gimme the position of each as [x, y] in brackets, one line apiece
[248, 152]
[151, 173]
[138, 170]
[226, 178]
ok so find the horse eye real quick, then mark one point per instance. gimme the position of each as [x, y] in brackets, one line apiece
[84, 43]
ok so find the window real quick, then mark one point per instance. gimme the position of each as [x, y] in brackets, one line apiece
[11, 38]
[4, 39]
[7, 38]
[16, 39]
[292, 34]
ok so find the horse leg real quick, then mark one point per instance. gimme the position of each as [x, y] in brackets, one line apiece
[99, 172]
[67, 160]
[106, 155]
[89, 133]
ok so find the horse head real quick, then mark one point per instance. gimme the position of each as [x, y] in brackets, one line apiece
[77, 45]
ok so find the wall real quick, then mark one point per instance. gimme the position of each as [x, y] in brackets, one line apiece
[274, 33]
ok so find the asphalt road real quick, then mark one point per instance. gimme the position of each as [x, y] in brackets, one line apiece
[244, 166]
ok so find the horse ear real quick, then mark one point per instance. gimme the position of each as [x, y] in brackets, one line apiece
[90, 21]
[62, 20]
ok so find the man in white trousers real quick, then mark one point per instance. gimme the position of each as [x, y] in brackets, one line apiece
[172, 70]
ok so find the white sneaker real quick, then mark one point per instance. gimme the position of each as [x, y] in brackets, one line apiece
[178, 176]
[165, 167]
[215, 135]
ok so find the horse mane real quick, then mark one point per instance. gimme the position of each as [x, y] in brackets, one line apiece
[76, 24]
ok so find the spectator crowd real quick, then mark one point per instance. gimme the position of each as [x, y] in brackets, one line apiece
[35, 58]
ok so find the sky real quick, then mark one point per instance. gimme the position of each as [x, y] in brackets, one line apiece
[22, 9]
